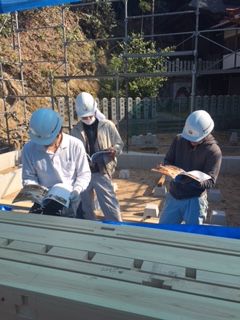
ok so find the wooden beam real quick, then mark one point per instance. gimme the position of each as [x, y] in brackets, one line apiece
[58, 268]
[161, 181]
[172, 238]
[111, 296]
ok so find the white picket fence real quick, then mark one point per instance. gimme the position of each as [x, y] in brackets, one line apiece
[221, 105]
[154, 108]
[138, 108]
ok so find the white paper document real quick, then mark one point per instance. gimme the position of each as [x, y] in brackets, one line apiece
[98, 156]
[173, 172]
[60, 193]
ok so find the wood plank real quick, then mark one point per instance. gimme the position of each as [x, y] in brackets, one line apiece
[121, 271]
[117, 296]
[113, 260]
[68, 253]
[161, 268]
[178, 239]
[3, 241]
[27, 246]
[110, 271]
[41, 306]
[218, 278]
[76, 266]
[201, 289]
[161, 181]
[199, 260]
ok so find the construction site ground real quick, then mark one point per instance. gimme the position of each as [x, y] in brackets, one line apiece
[136, 192]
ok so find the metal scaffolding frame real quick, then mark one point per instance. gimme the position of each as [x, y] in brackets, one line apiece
[195, 35]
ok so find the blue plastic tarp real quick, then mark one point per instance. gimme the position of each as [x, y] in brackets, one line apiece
[7, 6]
[216, 231]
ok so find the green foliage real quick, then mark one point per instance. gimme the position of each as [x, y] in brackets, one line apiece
[5, 25]
[143, 86]
[98, 20]
[145, 5]
[45, 73]
[159, 5]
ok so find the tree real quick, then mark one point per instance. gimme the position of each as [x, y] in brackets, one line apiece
[145, 6]
[141, 86]
[5, 25]
[98, 20]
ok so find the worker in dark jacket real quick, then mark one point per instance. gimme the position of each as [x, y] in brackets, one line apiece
[194, 149]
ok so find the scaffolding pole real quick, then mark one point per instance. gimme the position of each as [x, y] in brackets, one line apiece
[195, 65]
[194, 73]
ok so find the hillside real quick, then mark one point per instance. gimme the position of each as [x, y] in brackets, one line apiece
[42, 44]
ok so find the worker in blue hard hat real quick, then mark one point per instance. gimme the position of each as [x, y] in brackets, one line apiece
[194, 149]
[52, 157]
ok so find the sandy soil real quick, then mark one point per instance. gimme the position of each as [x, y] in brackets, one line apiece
[137, 191]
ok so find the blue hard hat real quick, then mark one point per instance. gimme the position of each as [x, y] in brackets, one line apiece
[44, 126]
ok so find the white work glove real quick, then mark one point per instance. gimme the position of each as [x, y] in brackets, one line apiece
[74, 196]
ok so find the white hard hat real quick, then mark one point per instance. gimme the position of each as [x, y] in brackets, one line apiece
[44, 126]
[198, 125]
[85, 105]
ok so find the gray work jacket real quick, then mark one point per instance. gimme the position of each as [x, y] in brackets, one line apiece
[107, 137]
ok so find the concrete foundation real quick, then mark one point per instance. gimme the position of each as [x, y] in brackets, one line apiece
[115, 187]
[218, 218]
[148, 140]
[214, 195]
[160, 191]
[10, 182]
[151, 210]
[10, 173]
[139, 160]
[233, 139]
[124, 174]
[10, 179]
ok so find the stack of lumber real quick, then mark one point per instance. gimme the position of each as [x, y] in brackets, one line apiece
[60, 268]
